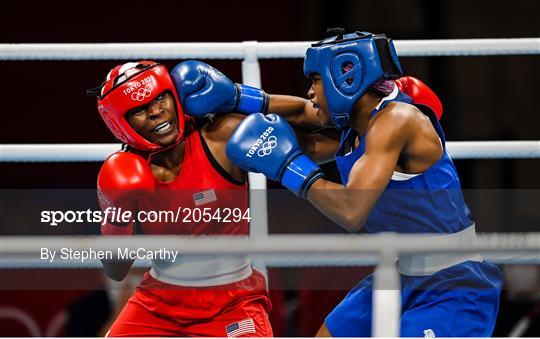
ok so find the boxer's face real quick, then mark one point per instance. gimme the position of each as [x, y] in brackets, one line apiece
[156, 121]
[318, 98]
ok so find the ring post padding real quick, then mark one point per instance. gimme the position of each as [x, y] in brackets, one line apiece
[251, 76]
[386, 291]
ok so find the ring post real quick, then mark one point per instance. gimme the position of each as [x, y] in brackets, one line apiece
[251, 76]
[386, 291]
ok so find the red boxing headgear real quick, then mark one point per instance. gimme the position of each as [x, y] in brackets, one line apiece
[131, 85]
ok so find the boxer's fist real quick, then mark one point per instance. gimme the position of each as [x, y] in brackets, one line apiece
[123, 181]
[203, 90]
[267, 144]
[420, 93]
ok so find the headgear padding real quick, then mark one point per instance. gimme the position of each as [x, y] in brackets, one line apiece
[131, 85]
[348, 65]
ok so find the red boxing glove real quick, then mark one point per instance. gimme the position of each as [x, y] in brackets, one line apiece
[122, 182]
[420, 93]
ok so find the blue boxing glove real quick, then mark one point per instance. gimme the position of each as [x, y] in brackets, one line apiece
[268, 145]
[203, 90]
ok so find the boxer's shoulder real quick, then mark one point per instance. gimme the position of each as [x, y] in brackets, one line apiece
[222, 127]
[397, 112]
[395, 121]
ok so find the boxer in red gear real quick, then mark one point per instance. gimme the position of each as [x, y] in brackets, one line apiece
[171, 160]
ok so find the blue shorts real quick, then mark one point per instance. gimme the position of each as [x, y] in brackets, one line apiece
[459, 301]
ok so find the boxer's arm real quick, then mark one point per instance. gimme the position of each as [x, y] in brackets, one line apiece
[350, 205]
[216, 134]
[320, 144]
[117, 269]
[298, 112]
[124, 178]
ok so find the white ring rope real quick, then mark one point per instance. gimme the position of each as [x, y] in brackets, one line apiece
[284, 244]
[278, 250]
[262, 50]
[386, 290]
[99, 152]
[493, 149]
[15, 261]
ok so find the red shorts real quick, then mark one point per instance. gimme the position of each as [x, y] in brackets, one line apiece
[160, 309]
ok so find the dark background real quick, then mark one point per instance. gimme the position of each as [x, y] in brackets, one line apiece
[485, 98]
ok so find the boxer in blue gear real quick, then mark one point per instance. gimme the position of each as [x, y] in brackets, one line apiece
[396, 176]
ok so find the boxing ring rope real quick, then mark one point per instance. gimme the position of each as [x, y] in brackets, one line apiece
[275, 250]
[386, 291]
[285, 244]
[262, 50]
[99, 152]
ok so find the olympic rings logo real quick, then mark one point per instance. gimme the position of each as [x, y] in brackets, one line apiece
[267, 146]
[142, 93]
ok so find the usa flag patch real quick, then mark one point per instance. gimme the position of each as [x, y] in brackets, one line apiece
[245, 326]
[204, 197]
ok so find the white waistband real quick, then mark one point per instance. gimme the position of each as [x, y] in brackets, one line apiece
[427, 264]
[202, 270]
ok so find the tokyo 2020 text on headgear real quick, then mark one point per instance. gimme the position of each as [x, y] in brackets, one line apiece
[131, 85]
[348, 65]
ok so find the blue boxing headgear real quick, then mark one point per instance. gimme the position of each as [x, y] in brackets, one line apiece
[348, 65]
